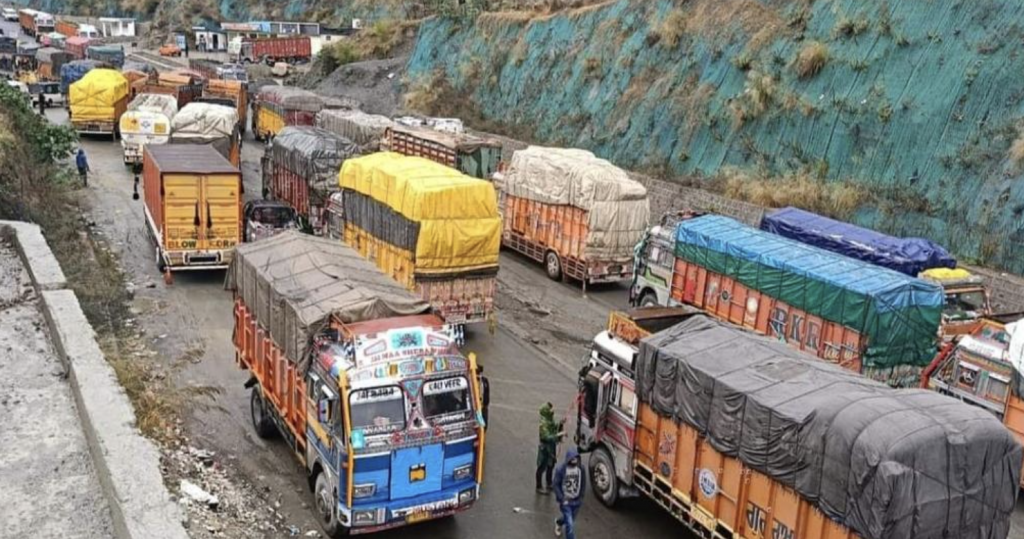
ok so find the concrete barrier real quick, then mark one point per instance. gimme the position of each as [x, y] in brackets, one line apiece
[127, 463]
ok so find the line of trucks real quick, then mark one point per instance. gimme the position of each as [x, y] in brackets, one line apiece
[350, 329]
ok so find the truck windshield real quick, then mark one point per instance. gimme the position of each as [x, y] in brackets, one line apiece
[275, 217]
[966, 304]
[378, 410]
[446, 396]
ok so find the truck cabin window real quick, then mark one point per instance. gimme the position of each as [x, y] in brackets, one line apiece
[274, 216]
[590, 386]
[446, 396]
[378, 410]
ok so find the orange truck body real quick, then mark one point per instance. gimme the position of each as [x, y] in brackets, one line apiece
[67, 28]
[193, 205]
[234, 90]
[728, 299]
[746, 504]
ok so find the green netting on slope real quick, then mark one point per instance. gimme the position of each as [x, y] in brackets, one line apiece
[918, 102]
[898, 314]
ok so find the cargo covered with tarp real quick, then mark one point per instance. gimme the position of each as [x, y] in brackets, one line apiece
[111, 54]
[364, 129]
[290, 98]
[886, 463]
[100, 95]
[54, 58]
[898, 314]
[909, 256]
[616, 205]
[448, 220]
[73, 72]
[158, 103]
[301, 168]
[474, 156]
[205, 123]
[294, 283]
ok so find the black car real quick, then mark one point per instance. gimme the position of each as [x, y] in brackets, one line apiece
[263, 219]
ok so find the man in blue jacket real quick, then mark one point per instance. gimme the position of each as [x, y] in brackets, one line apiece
[570, 484]
[83, 167]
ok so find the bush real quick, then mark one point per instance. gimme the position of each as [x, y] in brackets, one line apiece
[836, 199]
[671, 30]
[811, 59]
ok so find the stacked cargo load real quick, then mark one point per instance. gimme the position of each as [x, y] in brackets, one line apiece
[97, 102]
[864, 317]
[73, 72]
[278, 107]
[473, 156]
[431, 228]
[742, 425]
[49, 61]
[750, 436]
[364, 129]
[109, 54]
[909, 256]
[301, 167]
[236, 92]
[147, 121]
[216, 125]
[75, 46]
[578, 214]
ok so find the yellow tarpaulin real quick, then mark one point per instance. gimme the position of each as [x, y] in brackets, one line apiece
[457, 214]
[946, 274]
[98, 96]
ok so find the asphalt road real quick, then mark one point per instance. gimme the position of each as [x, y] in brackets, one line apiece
[190, 323]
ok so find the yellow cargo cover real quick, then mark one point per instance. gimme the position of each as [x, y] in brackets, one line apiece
[458, 215]
[946, 274]
[96, 95]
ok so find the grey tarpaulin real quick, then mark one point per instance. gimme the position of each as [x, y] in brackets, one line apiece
[380, 220]
[313, 154]
[291, 98]
[887, 463]
[364, 129]
[294, 282]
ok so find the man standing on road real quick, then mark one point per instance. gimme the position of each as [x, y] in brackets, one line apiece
[83, 167]
[547, 450]
[485, 393]
[570, 484]
[42, 104]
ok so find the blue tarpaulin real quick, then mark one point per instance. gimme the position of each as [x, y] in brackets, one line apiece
[71, 72]
[909, 256]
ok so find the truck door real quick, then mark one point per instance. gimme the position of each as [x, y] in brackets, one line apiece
[594, 386]
[220, 212]
[182, 212]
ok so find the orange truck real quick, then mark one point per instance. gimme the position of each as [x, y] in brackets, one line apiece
[68, 28]
[470, 155]
[235, 91]
[193, 205]
[736, 435]
[367, 388]
[577, 214]
[983, 368]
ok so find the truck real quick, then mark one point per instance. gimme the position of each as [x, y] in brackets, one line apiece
[214, 125]
[983, 368]
[146, 122]
[431, 228]
[183, 90]
[97, 102]
[76, 46]
[738, 435]
[213, 70]
[112, 55]
[234, 91]
[577, 214]
[866, 318]
[74, 29]
[270, 50]
[363, 383]
[473, 156]
[35, 23]
[277, 107]
[364, 129]
[193, 205]
[966, 296]
[300, 167]
[49, 61]
[73, 72]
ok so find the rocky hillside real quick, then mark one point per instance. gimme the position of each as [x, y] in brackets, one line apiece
[904, 115]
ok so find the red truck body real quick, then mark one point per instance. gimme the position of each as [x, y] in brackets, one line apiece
[75, 46]
[276, 49]
[184, 93]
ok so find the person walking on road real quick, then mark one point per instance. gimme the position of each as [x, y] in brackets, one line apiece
[547, 450]
[83, 167]
[570, 484]
[42, 104]
[485, 393]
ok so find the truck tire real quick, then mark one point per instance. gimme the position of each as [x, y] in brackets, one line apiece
[553, 265]
[648, 299]
[602, 477]
[261, 422]
[323, 497]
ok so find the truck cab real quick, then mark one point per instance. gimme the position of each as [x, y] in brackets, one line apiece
[607, 421]
[966, 300]
[655, 262]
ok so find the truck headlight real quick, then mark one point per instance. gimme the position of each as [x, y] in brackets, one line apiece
[463, 472]
[364, 518]
[467, 496]
[364, 491]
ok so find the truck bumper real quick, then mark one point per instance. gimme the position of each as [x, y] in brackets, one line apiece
[197, 260]
[399, 514]
[609, 272]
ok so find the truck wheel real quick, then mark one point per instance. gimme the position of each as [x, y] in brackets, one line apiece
[602, 476]
[553, 265]
[260, 420]
[648, 299]
[326, 508]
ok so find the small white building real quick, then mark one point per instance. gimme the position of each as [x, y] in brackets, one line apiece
[117, 27]
[210, 39]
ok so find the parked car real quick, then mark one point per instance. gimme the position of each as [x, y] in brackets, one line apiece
[170, 49]
[10, 14]
[50, 92]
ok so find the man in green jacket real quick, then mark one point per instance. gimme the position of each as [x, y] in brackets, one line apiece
[547, 450]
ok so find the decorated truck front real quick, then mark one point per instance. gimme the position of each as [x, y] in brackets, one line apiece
[365, 385]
